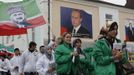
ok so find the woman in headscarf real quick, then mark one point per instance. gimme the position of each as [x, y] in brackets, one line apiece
[46, 64]
[105, 55]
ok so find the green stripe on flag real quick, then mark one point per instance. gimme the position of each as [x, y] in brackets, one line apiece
[30, 8]
[9, 49]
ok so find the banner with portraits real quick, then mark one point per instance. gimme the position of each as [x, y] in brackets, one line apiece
[129, 29]
[76, 21]
[16, 17]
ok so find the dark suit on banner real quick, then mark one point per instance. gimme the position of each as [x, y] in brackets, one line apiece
[81, 32]
[130, 34]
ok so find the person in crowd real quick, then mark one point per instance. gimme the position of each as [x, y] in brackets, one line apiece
[52, 44]
[64, 53]
[85, 66]
[58, 40]
[78, 30]
[4, 65]
[53, 38]
[89, 62]
[108, 59]
[46, 64]
[18, 16]
[103, 32]
[77, 47]
[15, 62]
[28, 60]
[41, 52]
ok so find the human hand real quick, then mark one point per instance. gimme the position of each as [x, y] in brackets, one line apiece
[75, 53]
[50, 70]
[118, 55]
[21, 73]
[114, 51]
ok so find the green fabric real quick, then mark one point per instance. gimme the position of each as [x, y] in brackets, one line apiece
[102, 54]
[30, 7]
[63, 58]
[9, 49]
[103, 57]
[88, 65]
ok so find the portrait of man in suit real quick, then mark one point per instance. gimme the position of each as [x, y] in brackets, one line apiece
[77, 29]
[76, 21]
[130, 32]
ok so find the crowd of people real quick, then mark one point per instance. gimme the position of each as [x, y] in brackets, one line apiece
[64, 57]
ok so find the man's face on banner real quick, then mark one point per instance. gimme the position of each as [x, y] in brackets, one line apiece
[76, 18]
[17, 17]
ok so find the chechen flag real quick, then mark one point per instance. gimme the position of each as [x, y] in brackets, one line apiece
[15, 18]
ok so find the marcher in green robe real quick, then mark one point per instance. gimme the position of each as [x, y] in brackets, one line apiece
[88, 61]
[63, 54]
[105, 56]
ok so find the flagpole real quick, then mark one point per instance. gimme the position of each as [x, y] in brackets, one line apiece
[33, 34]
[48, 21]
[27, 39]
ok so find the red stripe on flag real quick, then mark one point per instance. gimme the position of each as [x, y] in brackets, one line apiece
[6, 32]
[9, 28]
[36, 21]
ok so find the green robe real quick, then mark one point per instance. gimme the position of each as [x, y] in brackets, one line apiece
[64, 59]
[103, 58]
[88, 62]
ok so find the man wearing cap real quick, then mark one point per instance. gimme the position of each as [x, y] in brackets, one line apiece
[17, 16]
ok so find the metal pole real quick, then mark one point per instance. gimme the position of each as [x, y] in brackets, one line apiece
[33, 34]
[48, 21]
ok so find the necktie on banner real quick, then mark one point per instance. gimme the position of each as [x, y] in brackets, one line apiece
[16, 17]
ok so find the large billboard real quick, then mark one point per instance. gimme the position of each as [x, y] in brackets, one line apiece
[76, 21]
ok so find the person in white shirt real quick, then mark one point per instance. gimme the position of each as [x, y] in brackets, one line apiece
[28, 60]
[4, 66]
[15, 62]
[46, 65]
[42, 51]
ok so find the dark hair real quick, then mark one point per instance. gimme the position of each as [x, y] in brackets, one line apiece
[41, 47]
[76, 41]
[16, 49]
[32, 43]
[113, 25]
[63, 36]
